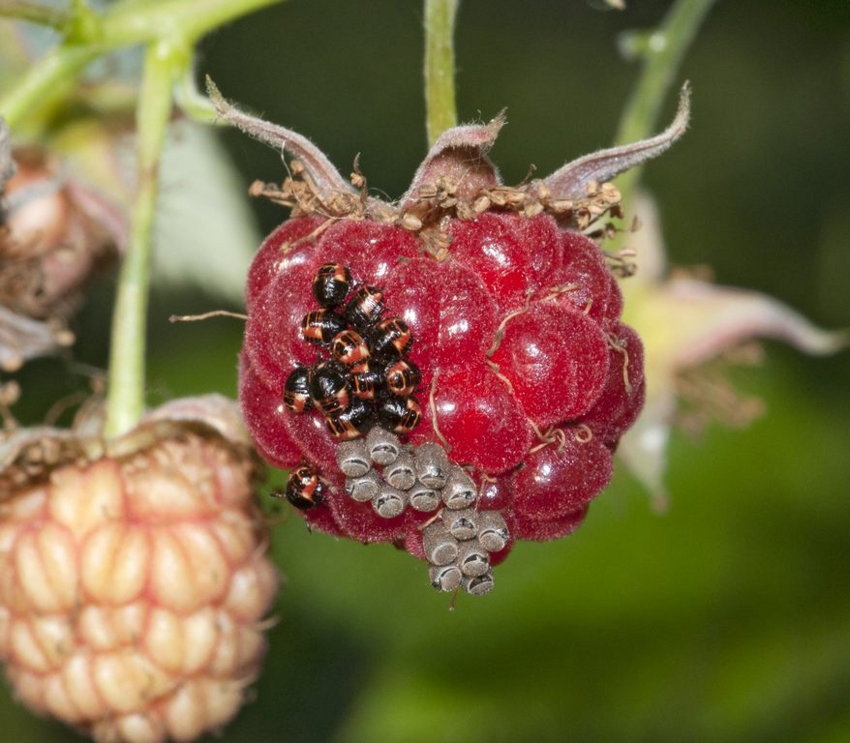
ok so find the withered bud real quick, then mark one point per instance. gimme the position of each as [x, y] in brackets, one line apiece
[54, 232]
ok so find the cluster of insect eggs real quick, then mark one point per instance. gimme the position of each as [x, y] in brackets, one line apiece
[459, 539]
[366, 379]
[392, 476]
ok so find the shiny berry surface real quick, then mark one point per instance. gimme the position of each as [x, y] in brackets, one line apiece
[510, 341]
[556, 359]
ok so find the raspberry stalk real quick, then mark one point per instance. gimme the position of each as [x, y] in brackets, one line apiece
[125, 402]
[662, 52]
[440, 67]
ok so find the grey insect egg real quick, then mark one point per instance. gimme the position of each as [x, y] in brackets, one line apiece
[472, 558]
[390, 502]
[383, 446]
[353, 458]
[462, 524]
[364, 488]
[492, 531]
[480, 584]
[401, 473]
[439, 545]
[423, 498]
[445, 577]
[460, 490]
[432, 465]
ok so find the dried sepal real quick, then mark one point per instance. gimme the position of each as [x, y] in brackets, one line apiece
[571, 181]
[710, 322]
[459, 156]
[22, 338]
[325, 176]
[455, 180]
[29, 455]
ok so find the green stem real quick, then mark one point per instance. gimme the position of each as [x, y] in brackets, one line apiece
[179, 22]
[46, 82]
[192, 102]
[125, 401]
[440, 105]
[662, 55]
[183, 21]
[43, 15]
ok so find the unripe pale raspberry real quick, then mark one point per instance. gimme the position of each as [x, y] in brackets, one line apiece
[133, 578]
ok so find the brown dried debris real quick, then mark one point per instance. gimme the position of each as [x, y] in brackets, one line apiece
[53, 233]
[455, 180]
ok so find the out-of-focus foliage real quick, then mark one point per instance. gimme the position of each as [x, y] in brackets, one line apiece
[724, 620]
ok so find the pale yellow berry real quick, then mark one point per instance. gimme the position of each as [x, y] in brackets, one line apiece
[133, 590]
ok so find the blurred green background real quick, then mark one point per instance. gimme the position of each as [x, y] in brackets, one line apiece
[726, 619]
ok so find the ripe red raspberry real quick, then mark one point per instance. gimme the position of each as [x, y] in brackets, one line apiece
[527, 376]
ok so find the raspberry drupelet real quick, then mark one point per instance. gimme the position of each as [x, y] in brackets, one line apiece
[506, 313]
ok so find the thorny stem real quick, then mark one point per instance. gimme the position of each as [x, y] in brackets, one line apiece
[125, 400]
[662, 54]
[440, 105]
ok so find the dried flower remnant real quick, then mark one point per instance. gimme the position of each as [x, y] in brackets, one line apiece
[134, 579]
[688, 323]
[53, 232]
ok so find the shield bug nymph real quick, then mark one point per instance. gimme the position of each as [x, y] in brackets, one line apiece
[304, 489]
[400, 415]
[329, 387]
[391, 337]
[332, 284]
[365, 307]
[402, 377]
[349, 348]
[352, 422]
[296, 390]
[321, 326]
